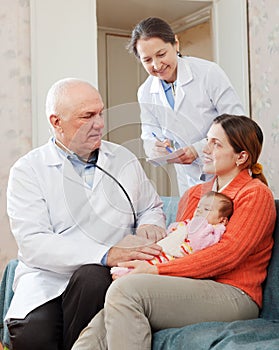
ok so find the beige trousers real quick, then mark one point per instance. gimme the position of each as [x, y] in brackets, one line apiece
[137, 305]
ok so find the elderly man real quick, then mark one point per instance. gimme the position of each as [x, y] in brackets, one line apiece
[73, 205]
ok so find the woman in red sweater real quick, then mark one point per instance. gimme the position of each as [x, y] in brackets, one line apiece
[219, 283]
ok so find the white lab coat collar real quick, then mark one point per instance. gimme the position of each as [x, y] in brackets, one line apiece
[184, 76]
[55, 158]
[184, 72]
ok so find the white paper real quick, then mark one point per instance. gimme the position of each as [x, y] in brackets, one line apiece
[164, 159]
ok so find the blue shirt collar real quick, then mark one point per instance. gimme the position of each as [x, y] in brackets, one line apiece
[73, 158]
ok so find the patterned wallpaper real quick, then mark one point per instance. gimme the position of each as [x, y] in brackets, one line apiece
[264, 70]
[15, 93]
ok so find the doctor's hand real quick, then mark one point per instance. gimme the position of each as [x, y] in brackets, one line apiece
[152, 232]
[189, 155]
[136, 266]
[160, 149]
[132, 247]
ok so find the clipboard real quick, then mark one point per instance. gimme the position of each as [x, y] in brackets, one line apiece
[164, 159]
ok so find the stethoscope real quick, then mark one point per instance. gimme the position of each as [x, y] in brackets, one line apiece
[93, 161]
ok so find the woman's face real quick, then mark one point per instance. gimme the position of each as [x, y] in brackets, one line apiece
[219, 156]
[158, 58]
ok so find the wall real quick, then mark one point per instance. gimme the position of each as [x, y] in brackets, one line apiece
[15, 103]
[15, 93]
[230, 27]
[61, 46]
[264, 71]
[197, 41]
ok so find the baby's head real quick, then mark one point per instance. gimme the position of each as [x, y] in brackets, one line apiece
[216, 207]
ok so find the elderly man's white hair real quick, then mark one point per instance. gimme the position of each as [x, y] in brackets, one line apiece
[56, 93]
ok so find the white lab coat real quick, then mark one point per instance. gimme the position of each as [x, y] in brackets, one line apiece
[203, 92]
[60, 223]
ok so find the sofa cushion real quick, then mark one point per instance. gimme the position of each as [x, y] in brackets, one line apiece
[270, 309]
[170, 208]
[250, 334]
[6, 294]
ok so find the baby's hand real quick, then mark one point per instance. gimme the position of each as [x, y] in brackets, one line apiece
[117, 271]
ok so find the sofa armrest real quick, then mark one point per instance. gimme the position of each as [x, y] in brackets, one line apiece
[6, 294]
[170, 208]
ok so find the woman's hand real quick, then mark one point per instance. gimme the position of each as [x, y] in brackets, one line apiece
[137, 266]
[189, 155]
[160, 148]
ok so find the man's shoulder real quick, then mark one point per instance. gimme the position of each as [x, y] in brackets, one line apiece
[116, 149]
[35, 153]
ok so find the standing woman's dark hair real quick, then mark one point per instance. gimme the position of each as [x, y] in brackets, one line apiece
[151, 27]
[244, 135]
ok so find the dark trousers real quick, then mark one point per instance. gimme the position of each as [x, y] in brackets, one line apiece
[56, 324]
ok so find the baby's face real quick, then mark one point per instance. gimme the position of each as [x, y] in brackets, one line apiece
[208, 208]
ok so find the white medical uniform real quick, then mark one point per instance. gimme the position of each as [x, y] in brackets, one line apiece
[60, 222]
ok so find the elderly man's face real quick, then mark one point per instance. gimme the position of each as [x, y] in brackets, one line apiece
[81, 121]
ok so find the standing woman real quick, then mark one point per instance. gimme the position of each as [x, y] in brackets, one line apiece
[180, 98]
[219, 283]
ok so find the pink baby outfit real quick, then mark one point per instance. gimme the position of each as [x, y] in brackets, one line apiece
[187, 237]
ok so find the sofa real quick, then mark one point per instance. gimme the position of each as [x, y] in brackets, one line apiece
[258, 334]
[261, 333]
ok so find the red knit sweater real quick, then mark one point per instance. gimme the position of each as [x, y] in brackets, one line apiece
[242, 255]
